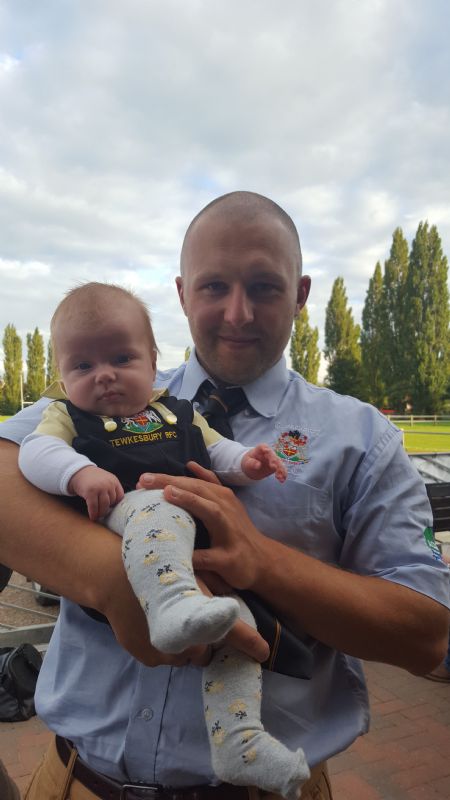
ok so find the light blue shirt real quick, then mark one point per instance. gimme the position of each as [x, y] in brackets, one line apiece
[352, 499]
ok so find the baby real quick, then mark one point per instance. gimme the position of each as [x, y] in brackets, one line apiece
[109, 426]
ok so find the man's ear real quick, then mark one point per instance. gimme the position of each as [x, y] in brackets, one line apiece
[180, 290]
[304, 285]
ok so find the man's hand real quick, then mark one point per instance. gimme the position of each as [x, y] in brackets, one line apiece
[237, 547]
[100, 489]
[261, 461]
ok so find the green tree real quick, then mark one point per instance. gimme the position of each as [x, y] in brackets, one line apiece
[427, 320]
[397, 357]
[304, 350]
[35, 384]
[342, 349]
[12, 366]
[51, 374]
[372, 340]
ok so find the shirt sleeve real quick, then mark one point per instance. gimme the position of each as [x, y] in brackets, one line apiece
[46, 457]
[387, 522]
[16, 428]
[56, 421]
[226, 456]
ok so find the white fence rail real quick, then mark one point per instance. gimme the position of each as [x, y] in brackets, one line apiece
[412, 418]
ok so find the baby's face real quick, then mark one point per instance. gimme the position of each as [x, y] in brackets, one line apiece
[108, 369]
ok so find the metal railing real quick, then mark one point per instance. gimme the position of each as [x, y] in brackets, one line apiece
[38, 633]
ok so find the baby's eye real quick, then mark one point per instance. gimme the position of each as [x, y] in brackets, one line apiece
[83, 366]
[123, 358]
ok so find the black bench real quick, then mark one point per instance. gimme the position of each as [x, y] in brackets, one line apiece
[439, 497]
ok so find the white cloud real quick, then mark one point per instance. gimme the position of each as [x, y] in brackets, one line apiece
[119, 123]
[7, 64]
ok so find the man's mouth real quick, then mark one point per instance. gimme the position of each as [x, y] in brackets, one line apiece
[238, 341]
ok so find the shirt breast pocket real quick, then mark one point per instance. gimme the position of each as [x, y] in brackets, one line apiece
[294, 512]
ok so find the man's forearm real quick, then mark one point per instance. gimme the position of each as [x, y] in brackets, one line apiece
[49, 542]
[363, 616]
[370, 618]
[81, 560]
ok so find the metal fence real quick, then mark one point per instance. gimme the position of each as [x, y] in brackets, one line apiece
[40, 624]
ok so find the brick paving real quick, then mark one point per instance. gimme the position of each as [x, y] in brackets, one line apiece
[406, 755]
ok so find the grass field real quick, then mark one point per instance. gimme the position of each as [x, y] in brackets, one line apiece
[426, 436]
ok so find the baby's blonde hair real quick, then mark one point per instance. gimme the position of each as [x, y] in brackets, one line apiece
[87, 304]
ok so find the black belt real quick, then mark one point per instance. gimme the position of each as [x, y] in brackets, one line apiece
[107, 789]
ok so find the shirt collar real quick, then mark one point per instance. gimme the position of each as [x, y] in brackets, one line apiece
[264, 394]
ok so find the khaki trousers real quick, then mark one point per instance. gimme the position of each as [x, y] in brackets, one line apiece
[53, 781]
[8, 789]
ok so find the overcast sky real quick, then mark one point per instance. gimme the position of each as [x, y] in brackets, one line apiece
[120, 120]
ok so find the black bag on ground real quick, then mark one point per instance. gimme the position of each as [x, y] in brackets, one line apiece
[5, 574]
[19, 670]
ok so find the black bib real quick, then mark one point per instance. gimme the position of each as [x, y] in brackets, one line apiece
[142, 443]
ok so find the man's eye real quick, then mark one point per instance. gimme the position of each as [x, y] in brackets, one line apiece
[215, 287]
[264, 289]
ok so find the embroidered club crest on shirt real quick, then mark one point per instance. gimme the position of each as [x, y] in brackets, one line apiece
[292, 446]
[146, 421]
[431, 542]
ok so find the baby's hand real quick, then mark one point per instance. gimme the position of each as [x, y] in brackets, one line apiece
[100, 489]
[261, 461]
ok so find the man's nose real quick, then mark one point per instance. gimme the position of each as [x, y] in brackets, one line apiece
[238, 307]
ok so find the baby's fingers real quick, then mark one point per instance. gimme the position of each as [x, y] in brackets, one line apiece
[118, 494]
[280, 472]
[276, 465]
[106, 499]
[92, 503]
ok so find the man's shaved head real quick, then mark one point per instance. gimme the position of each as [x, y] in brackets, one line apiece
[248, 207]
[241, 285]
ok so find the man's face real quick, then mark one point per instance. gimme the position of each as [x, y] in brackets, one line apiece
[240, 291]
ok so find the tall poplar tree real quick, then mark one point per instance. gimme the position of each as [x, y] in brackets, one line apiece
[427, 320]
[304, 349]
[35, 384]
[372, 340]
[342, 349]
[12, 366]
[51, 374]
[397, 356]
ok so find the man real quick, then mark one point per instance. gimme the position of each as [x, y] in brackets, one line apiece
[338, 551]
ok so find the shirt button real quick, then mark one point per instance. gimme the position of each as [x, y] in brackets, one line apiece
[146, 714]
